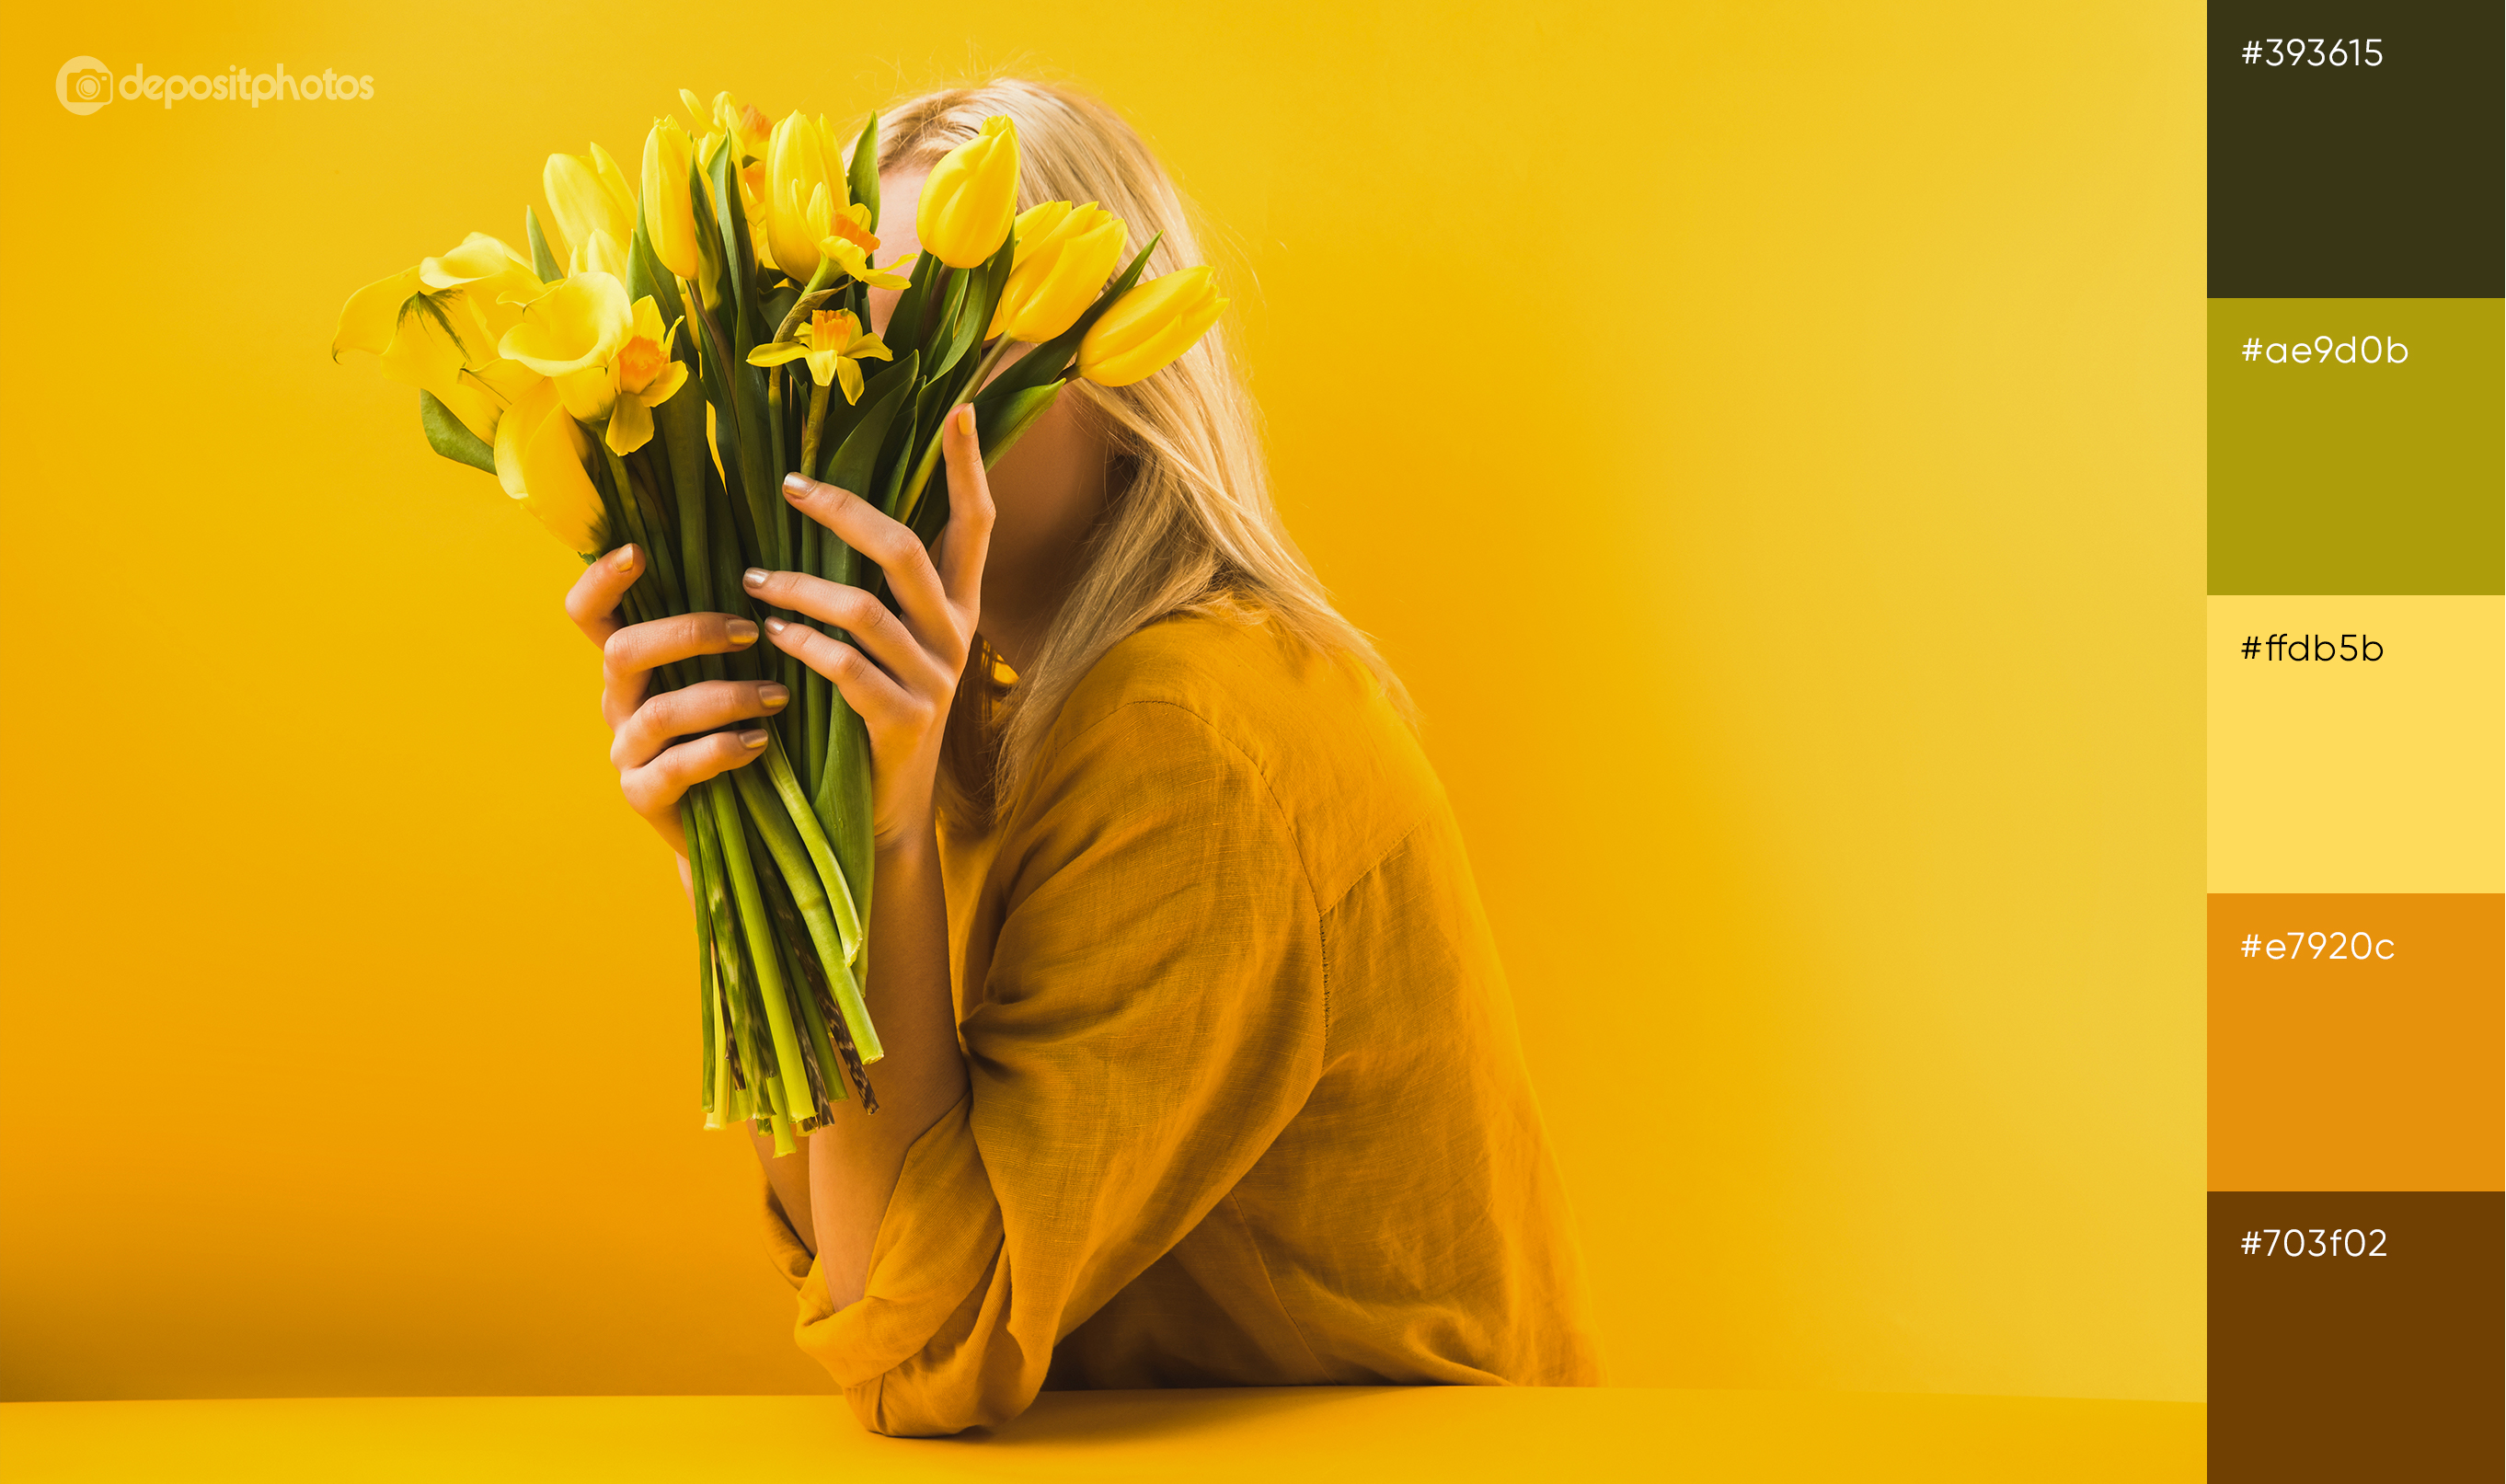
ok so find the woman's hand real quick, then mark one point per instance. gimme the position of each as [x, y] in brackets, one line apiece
[903, 677]
[653, 767]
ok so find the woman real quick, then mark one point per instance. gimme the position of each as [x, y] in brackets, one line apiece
[1227, 1091]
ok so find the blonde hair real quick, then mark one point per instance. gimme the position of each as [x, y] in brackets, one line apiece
[1189, 526]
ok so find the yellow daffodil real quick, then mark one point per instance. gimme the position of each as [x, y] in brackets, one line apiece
[540, 453]
[970, 198]
[437, 326]
[587, 196]
[1064, 255]
[670, 215]
[833, 343]
[850, 242]
[804, 182]
[647, 377]
[572, 335]
[1149, 327]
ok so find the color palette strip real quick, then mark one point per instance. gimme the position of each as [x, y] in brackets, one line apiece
[2356, 647]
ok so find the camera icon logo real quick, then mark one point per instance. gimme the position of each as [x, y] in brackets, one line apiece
[84, 85]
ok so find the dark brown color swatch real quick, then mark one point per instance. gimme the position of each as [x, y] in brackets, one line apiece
[2358, 1367]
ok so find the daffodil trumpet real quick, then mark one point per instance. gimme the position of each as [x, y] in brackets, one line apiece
[669, 347]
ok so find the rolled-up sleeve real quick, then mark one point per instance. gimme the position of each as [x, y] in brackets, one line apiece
[1149, 1018]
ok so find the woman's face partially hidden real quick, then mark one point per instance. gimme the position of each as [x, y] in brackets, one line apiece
[1048, 491]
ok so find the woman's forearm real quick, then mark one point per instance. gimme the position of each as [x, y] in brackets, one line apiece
[853, 1162]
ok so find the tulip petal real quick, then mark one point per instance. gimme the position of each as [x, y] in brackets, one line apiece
[540, 453]
[368, 320]
[580, 323]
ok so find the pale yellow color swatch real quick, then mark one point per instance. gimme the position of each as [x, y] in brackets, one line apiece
[2340, 775]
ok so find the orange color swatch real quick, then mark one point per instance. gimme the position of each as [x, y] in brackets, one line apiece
[2354, 1042]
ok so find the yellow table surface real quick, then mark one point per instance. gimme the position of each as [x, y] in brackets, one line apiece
[1286, 1436]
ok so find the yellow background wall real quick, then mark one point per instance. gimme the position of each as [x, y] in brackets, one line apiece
[1767, 438]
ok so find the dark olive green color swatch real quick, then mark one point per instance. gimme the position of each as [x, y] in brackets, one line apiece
[2340, 463]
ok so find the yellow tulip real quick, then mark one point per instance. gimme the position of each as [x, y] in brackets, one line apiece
[805, 180]
[1064, 255]
[647, 377]
[540, 453]
[971, 196]
[600, 253]
[744, 123]
[572, 335]
[1149, 327]
[831, 343]
[437, 326]
[753, 188]
[850, 242]
[588, 195]
[669, 216]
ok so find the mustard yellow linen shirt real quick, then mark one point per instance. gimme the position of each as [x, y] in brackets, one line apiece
[1248, 1103]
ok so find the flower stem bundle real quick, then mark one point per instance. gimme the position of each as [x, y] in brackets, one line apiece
[650, 369]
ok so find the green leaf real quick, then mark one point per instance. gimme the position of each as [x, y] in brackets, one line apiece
[709, 248]
[983, 296]
[543, 262]
[956, 335]
[645, 276]
[779, 304]
[1001, 422]
[1001, 419]
[447, 435]
[856, 459]
[843, 417]
[905, 323]
[739, 257]
[1047, 362]
[862, 178]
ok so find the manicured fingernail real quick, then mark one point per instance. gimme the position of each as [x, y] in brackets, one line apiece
[753, 740]
[966, 418]
[753, 579]
[772, 696]
[742, 630]
[775, 626]
[624, 559]
[797, 485]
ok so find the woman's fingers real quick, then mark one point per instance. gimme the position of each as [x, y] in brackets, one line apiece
[968, 539]
[593, 601]
[699, 707]
[856, 612]
[882, 702]
[656, 787]
[640, 647]
[899, 552]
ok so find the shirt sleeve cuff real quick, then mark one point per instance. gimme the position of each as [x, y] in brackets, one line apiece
[782, 1243]
[935, 1279]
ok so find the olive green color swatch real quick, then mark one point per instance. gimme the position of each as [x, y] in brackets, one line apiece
[2355, 445]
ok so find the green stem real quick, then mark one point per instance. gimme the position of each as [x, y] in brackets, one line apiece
[911, 500]
[791, 1073]
[800, 867]
[817, 886]
[815, 687]
[931, 298]
[802, 305]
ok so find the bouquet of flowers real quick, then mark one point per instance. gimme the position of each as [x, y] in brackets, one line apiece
[651, 370]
